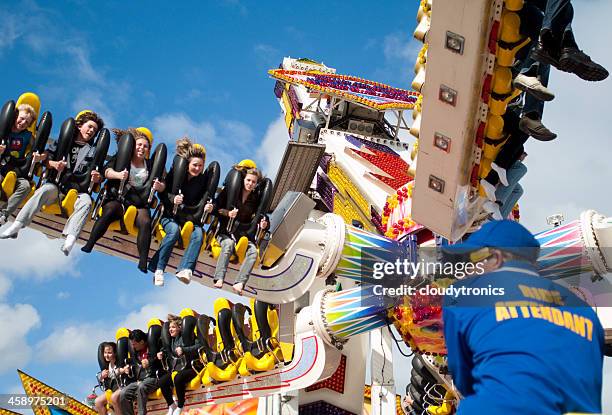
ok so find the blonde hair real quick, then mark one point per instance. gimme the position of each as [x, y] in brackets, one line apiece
[187, 149]
[136, 133]
[174, 319]
[31, 112]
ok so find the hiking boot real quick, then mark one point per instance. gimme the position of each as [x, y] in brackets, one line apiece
[575, 61]
[533, 86]
[536, 129]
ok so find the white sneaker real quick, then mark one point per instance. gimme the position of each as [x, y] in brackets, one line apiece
[172, 407]
[12, 231]
[184, 276]
[2, 220]
[493, 209]
[489, 189]
[68, 244]
[158, 278]
[501, 172]
[177, 411]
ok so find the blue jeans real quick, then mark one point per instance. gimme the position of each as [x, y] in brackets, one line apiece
[173, 233]
[509, 195]
[227, 249]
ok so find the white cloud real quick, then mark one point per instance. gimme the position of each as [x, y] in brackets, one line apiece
[72, 343]
[10, 30]
[397, 46]
[33, 255]
[16, 322]
[226, 141]
[272, 148]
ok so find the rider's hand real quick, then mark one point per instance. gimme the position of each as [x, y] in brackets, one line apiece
[145, 363]
[123, 175]
[95, 176]
[179, 351]
[104, 374]
[58, 165]
[160, 355]
[208, 207]
[2, 148]
[158, 186]
[178, 199]
[232, 213]
[37, 157]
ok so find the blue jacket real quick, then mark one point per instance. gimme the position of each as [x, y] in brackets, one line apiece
[543, 355]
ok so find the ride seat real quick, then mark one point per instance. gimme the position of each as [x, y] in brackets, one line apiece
[67, 204]
[239, 250]
[186, 232]
[510, 39]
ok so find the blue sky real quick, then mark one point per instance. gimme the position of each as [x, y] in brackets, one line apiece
[200, 69]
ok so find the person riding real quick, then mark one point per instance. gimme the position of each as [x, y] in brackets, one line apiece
[115, 205]
[81, 154]
[14, 149]
[191, 193]
[532, 348]
[243, 213]
[180, 357]
[145, 373]
[108, 377]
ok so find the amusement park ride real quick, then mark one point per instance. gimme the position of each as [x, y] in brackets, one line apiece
[357, 174]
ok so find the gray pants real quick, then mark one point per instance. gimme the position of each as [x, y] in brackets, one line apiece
[22, 190]
[48, 194]
[227, 249]
[140, 391]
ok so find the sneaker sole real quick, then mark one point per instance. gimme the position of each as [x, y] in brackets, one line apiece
[589, 72]
[541, 96]
[537, 136]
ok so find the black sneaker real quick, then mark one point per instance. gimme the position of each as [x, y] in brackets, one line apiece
[543, 55]
[536, 129]
[575, 61]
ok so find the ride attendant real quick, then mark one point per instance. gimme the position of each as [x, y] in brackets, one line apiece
[18, 140]
[543, 355]
[145, 372]
[108, 377]
[192, 192]
[114, 206]
[81, 153]
[180, 357]
[243, 213]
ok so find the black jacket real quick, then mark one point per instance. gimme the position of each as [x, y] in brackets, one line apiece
[246, 211]
[189, 353]
[192, 190]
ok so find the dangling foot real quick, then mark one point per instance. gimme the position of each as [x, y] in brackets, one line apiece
[535, 128]
[238, 288]
[177, 411]
[68, 244]
[12, 231]
[576, 61]
[489, 189]
[158, 278]
[533, 86]
[501, 172]
[184, 276]
[142, 266]
[171, 409]
[219, 284]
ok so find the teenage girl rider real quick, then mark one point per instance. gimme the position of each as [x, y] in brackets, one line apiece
[192, 191]
[114, 206]
[180, 357]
